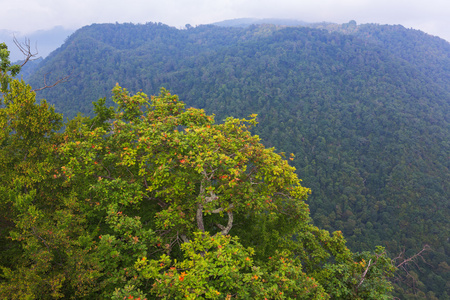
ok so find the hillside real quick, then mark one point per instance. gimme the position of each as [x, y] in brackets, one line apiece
[365, 109]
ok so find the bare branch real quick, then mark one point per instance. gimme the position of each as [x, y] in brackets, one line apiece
[363, 276]
[370, 264]
[227, 229]
[211, 198]
[199, 217]
[220, 209]
[412, 258]
[403, 264]
[46, 86]
[25, 48]
[184, 238]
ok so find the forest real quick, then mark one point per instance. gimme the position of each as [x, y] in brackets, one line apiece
[132, 203]
[363, 108]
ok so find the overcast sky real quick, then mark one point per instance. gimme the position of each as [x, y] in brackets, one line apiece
[26, 16]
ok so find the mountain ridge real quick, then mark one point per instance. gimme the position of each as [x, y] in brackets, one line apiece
[368, 120]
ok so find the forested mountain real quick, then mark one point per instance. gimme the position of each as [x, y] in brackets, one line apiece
[245, 22]
[29, 68]
[365, 109]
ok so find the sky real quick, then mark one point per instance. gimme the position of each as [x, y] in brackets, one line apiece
[27, 16]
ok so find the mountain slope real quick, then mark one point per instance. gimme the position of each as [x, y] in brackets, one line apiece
[429, 54]
[367, 120]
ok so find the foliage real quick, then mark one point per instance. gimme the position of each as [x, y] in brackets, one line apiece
[7, 71]
[364, 108]
[148, 200]
[40, 222]
[221, 268]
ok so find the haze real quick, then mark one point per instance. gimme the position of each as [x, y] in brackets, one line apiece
[27, 16]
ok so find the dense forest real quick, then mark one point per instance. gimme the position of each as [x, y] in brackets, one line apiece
[364, 109]
[155, 200]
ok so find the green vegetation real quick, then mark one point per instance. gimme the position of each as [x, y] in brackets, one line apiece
[364, 108]
[150, 199]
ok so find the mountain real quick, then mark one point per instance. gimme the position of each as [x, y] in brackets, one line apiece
[29, 68]
[364, 108]
[429, 54]
[245, 22]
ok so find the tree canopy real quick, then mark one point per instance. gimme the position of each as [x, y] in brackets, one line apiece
[153, 199]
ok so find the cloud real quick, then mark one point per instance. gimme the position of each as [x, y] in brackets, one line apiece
[30, 15]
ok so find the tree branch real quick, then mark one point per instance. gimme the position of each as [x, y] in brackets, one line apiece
[227, 229]
[199, 217]
[47, 86]
[220, 209]
[363, 276]
[25, 48]
[408, 278]
[412, 258]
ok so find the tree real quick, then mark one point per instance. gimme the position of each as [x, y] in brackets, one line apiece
[171, 182]
[153, 199]
[43, 241]
[7, 71]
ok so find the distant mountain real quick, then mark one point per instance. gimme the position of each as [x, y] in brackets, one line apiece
[42, 42]
[244, 22]
[364, 108]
